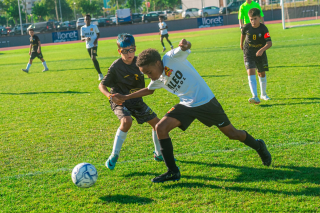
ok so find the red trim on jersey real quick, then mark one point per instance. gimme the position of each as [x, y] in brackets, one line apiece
[267, 35]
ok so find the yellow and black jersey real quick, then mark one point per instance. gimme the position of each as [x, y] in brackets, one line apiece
[123, 78]
[34, 41]
[256, 38]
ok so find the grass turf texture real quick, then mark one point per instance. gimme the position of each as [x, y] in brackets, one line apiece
[52, 121]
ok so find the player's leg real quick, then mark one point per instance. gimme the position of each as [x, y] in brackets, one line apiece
[253, 86]
[93, 53]
[167, 37]
[125, 123]
[43, 63]
[234, 134]
[262, 65]
[29, 63]
[157, 149]
[161, 40]
[165, 125]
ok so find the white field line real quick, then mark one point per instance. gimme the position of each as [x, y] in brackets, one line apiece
[148, 159]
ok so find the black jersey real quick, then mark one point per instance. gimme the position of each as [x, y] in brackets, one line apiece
[124, 79]
[34, 41]
[256, 38]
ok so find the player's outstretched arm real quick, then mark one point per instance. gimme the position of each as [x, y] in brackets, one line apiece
[184, 45]
[118, 98]
[104, 90]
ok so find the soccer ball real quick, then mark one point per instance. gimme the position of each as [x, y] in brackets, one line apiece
[84, 175]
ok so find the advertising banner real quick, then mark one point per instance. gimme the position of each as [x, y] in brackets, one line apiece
[65, 36]
[210, 21]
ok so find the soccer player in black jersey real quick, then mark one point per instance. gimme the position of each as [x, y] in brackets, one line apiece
[35, 51]
[124, 77]
[257, 41]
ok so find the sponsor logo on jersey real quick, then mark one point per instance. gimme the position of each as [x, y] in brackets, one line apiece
[176, 81]
[91, 29]
[267, 35]
[136, 76]
[167, 71]
[171, 110]
[126, 76]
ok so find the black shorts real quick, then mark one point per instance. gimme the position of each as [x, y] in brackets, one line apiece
[36, 54]
[165, 36]
[209, 114]
[140, 111]
[252, 61]
[93, 51]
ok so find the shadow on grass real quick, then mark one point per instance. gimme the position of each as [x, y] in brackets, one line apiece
[126, 199]
[313, 65]
[35, 93]
[282, 104]
[288, 175]
[82, 68]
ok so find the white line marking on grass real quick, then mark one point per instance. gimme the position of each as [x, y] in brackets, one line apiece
[148, 159]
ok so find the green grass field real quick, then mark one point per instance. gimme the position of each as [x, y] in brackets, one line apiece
[52, 121]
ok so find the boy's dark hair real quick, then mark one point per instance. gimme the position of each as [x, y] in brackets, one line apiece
[125, 40]
[161, 17]
[88, 16]
[31, 29]
[147, 57]
[254, 12]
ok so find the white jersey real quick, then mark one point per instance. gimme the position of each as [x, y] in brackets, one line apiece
[90, 31]
[180, 78]
[161, 26]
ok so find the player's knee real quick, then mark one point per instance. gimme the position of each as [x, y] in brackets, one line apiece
[126, 123]
[161, 129]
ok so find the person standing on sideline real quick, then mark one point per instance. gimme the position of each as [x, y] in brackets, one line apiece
[244, 10]
[257, 41]
[35, 51]
[163, 32]
[90, 33]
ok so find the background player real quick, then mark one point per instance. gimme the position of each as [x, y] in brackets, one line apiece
[35, 51]
[244, 10]
[257, 41]
[163, 32]
[124, 77]
[175, 74]
[90, 34]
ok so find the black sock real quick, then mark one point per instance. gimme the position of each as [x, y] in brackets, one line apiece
[250, 141]
[167, 153]
[96, 65]
[169, 42]
[162, 44]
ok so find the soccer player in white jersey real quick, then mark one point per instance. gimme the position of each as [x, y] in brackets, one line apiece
[90, 33]
[175, 74]
[163, 32]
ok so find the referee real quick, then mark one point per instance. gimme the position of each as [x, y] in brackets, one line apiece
[244, 10]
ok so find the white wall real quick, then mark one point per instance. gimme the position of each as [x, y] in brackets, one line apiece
[197, 3]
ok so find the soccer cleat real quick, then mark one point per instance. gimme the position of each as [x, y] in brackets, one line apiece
[164, 49]
[111, 162]
[45, 70]
[25, 70]
[265, 97]
[157, 157]
[264, 153]
[254, 100]
[168, 176]
[100, 76]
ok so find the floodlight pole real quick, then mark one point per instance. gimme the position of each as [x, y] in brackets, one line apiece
[20, 18]
[282, 14]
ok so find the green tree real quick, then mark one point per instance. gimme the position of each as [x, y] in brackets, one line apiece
[94, 7]
[133, 4]
[40, 10]
[13, 11]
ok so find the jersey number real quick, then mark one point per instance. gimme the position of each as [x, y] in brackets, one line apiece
[254, 37]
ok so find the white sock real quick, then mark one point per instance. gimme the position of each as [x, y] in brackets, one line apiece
[263, 85]
[156, 143]
[45, 65]
[118, 141]
[28, 66]
[253, 85]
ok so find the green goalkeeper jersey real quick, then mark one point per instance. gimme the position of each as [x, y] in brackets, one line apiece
[244, 10]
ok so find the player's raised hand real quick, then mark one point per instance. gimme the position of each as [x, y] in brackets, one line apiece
[184, 45]
[117, 98]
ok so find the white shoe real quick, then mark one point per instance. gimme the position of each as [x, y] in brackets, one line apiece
[101, 77]
[265, 97]
[164, 49]
[45, 70]
[254, 100]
